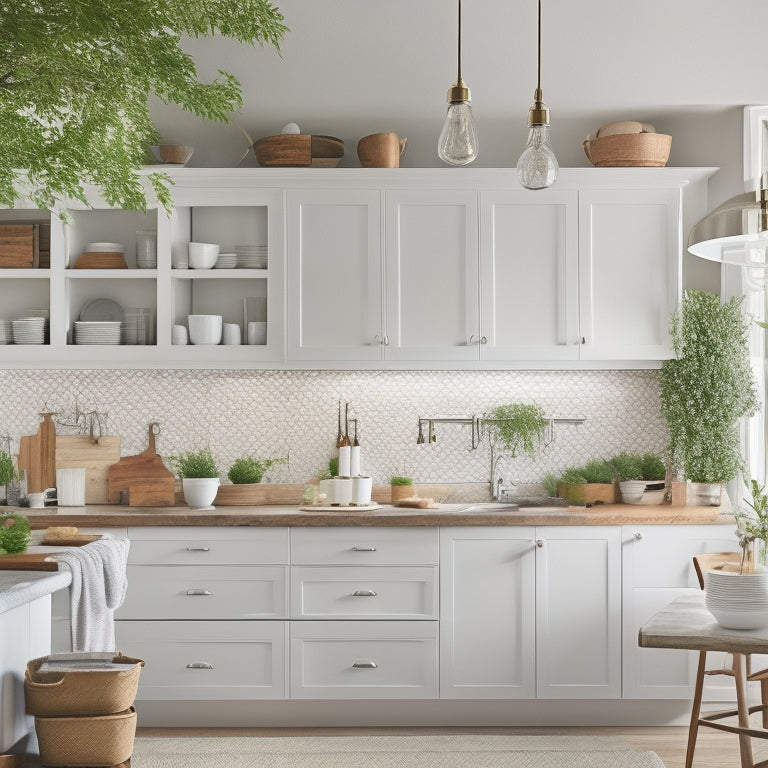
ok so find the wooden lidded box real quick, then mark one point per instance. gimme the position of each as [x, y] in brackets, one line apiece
[25, 246]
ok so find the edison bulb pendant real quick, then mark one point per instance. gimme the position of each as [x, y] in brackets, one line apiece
[537, 167]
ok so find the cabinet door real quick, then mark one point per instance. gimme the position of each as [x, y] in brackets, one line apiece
[529, 275]
[578, 612]
[487, 613]
[657, 568]
[432, 275]
[630, 272]
[334, 304]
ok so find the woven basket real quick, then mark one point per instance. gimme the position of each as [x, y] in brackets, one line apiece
[86, 741]
[82, 691]
[630, 150]
[589, 493]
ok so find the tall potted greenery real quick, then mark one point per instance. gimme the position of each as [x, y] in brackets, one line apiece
[75, 81]
[705, 389]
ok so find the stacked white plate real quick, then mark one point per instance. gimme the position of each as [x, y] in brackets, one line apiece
[29, 330]
[251, 256]
[97, 332]
[226, 261]
[6, 331]
[737, 600]
[105, 248]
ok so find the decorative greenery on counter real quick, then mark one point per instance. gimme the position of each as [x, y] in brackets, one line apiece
[400, 480]
[707, 387]
[75, 81]
[250, 470]
[518, 427]
[7, 470]
[195, 464]
[756, 522]
[14, 534]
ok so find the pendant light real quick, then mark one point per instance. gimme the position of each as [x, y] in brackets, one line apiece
[457, 144]
[735, 232]
[537, 167]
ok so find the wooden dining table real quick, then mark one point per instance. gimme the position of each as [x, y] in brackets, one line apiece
[686, 624]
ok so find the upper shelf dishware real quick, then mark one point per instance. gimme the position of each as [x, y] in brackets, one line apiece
[203, 255]
[205, 329]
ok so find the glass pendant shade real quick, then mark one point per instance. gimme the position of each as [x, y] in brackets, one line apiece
[537, 167]
[458, 139]
[457, 144]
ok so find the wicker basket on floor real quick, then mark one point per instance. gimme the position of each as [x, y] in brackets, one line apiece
[86, 741]
[81, 692]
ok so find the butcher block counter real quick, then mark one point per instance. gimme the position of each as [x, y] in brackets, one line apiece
[386, 515]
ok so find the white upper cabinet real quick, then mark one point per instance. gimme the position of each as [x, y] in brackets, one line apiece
[334, 275]
[529, 275]
[431, 275]
[630, 272]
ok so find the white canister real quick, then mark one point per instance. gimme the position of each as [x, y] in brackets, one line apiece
[70, 487]
[362, 487]
[343, 491]
[37, 500]
[231, 334]
[345, 456]
[354, 461]
[257, 333]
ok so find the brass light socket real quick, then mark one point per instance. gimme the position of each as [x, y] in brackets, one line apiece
[538, 114]
[459, 92]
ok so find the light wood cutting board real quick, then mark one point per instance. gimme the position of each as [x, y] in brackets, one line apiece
[37, 454]
[74, 451]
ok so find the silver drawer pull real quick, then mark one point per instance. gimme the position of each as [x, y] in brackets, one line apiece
[199, 665]
[197, 592]
[365, 665]
[364, 593]
[198, 549]
[363, 549]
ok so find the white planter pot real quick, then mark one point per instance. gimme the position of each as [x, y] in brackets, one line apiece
[704, 494]
[632, 491]
[200, 491]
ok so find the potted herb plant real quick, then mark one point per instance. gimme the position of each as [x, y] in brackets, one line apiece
[628, 469]
[199, 476]
[249, 470]
[14, 534]
[401, 487]
[591, 484]
[705, 390]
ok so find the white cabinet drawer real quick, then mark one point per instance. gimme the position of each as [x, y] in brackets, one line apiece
[364, 660]
[365, 546]
[364, 592]
[192, 592]
[209, 546]
[206, 660]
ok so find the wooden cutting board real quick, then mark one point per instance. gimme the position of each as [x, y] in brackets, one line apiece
[148, 481]
[28, 562]
[37, 454]
[73, 451]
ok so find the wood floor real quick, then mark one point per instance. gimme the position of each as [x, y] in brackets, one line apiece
[713, 750]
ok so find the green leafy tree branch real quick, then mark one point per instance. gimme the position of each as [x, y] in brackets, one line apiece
[75, 78]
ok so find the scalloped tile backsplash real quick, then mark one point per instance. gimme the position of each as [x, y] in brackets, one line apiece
[294, 413]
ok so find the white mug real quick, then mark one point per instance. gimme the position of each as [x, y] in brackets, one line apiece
[37, 500]
[231, 334]
[70, 487]
[179, 334]
[257, 333]
[361, 491]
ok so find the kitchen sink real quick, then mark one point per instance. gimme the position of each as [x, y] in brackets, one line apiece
[503, 507]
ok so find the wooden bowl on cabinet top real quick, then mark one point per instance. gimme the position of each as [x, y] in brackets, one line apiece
[629, 150]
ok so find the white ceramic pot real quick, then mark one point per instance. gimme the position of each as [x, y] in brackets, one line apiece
[704, 494]
[632, 491]
[200, 491]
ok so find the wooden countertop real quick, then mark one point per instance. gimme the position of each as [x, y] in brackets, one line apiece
[447, 515]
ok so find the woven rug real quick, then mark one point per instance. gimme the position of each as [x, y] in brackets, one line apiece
[467, 751]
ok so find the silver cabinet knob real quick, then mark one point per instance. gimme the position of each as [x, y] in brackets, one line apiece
[365, 665]
[474, 340]
[199, 665]
[539, 543]
[383, 340]
[199, 592]
[198, 549]
[638, 535]
[364, 593]
[363, 549]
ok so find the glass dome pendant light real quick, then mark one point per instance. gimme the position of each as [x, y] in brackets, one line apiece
[457, 144]
[537, 167]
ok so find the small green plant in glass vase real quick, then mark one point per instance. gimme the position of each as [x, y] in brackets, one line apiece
[705, 390]
[754, 522]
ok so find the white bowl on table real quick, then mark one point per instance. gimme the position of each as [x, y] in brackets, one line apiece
[205, 329]
[203, 255]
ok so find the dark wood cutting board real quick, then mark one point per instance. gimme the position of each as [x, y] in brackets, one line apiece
[146, 479]
[28, 562]
[37, 454]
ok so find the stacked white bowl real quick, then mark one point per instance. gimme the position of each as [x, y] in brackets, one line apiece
[737, 600]
[205, 329]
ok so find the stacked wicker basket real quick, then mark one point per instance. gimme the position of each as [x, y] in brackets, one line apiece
[83, 708]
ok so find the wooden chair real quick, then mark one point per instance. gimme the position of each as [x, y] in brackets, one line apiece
[702, 563]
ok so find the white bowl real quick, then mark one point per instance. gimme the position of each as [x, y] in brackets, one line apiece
[203, 255]
[740, 619]
[205, 329]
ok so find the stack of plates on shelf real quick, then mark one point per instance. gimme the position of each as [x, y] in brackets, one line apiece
[97, 332]
[139, 326]
[251, 256]
[737, 600]
[29, 330]
[102, 310]
[226, 261]
[6, 331]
